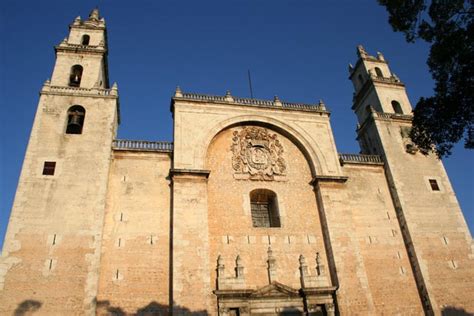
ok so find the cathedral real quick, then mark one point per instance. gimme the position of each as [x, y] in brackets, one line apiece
[251, 210]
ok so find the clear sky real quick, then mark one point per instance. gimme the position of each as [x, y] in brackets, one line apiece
[298, 50]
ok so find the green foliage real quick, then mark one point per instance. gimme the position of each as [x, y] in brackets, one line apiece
[445, 118]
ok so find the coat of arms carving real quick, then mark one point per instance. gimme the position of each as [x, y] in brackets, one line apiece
[257, 154]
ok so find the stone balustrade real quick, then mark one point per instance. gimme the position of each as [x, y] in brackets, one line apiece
[360, 159]
[393, 116]
[141, 145]
[253, 102]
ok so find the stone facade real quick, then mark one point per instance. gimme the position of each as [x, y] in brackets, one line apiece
[250, 211]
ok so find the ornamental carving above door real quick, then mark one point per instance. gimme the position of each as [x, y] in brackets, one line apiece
[257, 154]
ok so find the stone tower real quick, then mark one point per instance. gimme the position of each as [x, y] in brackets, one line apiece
[52, 247]
[436, 236]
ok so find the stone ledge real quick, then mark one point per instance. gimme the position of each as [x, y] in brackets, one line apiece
[190, 172]
[337, 179]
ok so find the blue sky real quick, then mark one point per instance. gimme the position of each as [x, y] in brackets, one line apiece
[298, 50]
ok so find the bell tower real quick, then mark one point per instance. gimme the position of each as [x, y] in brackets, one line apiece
[436, 236]
[81, 58]
[51, 255]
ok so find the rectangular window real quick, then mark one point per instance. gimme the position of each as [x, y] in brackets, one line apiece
[48, 168]
[434, 185]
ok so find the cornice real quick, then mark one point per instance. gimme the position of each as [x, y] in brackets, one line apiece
[336, 179]
[75, 91]
[97, 50]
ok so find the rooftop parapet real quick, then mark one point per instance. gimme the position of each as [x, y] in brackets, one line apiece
[142, 145]
[229, 99]
[360, 159]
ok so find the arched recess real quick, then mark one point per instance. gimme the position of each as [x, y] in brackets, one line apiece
[312, 153]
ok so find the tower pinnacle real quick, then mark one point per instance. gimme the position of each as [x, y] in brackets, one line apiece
[94, 15]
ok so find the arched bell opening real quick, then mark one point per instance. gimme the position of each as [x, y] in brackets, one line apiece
[75, 119]
[397, 108]
[85, 39]
[378, 72]
[75, 76]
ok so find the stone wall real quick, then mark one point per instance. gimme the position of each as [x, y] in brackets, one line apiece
[370, 256]
[134, 271]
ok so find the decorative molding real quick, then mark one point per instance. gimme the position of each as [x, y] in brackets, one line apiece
[257, 154]
[337, 179]
[190, 172]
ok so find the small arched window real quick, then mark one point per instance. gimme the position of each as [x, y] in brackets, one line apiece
[85, 39]
[76, 76]
[264, 207]
[75, 119]
[397, 108]
[378, 72]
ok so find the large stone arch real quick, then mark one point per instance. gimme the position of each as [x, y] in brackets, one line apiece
[311, 151]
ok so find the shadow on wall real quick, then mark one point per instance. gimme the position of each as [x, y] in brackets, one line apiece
[104, 308]
[27, 307]
[453, 311]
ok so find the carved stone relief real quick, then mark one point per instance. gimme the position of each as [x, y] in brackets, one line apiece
[257, 154]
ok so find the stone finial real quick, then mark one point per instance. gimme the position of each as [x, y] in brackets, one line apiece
[270, 252]
[380, 56]
[239, 269]
[77, 21]
[228, 96]
[47, 82]
[361, 51]
[276, 101]
[319, 265]
[94, 15]
[114, 86]
[178, 93]
[220, 266]
[321, 105]
[303, 266]
[271, 265]
[350, 68]
[395, 77]
[302, 260]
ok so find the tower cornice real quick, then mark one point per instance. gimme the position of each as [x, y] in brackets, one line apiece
[76, 48]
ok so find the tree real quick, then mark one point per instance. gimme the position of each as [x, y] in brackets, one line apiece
[445, 118]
